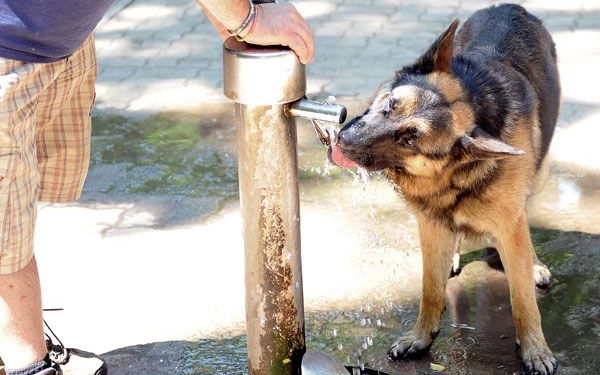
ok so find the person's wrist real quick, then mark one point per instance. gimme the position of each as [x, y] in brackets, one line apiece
[248, 30]
[245, 23]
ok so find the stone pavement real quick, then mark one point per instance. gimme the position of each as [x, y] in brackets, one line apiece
[163, 55]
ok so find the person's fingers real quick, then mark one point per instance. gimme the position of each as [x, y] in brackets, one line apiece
[301, 41]
[302, 24]
[302, 29]
[282, 24]
[305, 33]
[299, 46]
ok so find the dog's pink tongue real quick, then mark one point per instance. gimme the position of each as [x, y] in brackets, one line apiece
[339, 159]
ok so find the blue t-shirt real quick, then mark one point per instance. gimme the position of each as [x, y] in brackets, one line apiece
[47, 30]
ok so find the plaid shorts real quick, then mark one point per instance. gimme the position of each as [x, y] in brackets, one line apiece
[45, 129]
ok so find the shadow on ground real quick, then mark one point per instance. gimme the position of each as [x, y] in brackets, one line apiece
[477, 334]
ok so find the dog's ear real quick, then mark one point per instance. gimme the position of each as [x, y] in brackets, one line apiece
[439, 55]
[442, 49]
[483, 146]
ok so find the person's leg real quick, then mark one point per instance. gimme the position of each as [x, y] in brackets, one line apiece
[44, 150]
[63, 134]
[21, 325]
[21, 330]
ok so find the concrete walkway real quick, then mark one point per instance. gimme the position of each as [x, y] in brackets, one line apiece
[144, 284]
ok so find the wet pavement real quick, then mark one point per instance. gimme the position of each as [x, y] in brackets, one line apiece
[148, 266]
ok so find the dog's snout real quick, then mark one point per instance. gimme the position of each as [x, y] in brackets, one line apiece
[343, 137]
[350, 133]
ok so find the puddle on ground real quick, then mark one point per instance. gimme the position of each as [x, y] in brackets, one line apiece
[191, 159]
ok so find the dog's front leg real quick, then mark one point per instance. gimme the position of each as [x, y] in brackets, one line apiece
[437, 249]
[516, 252]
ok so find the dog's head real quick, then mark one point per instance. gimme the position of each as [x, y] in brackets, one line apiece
[419, 122]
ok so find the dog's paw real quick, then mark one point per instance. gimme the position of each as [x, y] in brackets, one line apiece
[410, 346]
[539, 362]
[542, 276]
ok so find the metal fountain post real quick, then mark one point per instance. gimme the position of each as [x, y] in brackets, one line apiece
[267, 85]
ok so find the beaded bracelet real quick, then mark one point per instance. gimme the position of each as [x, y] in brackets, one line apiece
[245, 23]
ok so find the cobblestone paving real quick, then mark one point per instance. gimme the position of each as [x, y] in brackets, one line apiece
[164, 54]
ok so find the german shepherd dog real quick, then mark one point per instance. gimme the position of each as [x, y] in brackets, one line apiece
[462, 134]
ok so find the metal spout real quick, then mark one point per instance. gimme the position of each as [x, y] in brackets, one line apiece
[314, 110]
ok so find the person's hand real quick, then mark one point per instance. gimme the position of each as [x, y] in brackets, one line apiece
[274, 24]
[281, 24]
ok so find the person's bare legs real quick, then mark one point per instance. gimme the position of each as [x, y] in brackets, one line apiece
[21, 322]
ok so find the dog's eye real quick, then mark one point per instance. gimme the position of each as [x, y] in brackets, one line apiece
[405, 138]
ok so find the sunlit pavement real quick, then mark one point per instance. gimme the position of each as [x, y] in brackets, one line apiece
[124, 277]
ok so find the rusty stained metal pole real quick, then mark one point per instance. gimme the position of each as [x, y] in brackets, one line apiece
[270, 213]
[263, 81]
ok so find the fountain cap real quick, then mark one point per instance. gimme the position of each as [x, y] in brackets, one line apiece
[261, 75]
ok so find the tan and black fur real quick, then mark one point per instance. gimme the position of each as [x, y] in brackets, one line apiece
[462, 133]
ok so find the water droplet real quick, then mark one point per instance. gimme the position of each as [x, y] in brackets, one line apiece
[569, 193]
[361, 178]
